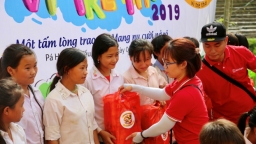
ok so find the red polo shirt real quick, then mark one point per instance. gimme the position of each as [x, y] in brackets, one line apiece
[187, 107]
[228, 100]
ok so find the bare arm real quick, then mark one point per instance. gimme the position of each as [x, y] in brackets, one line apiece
[52, 142]
[95, 137]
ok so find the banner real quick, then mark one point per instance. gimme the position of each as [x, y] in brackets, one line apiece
[49, 26]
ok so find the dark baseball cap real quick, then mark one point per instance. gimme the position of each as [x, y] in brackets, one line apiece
[213, 32]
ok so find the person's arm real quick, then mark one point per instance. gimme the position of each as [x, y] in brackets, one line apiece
[106, 136]
[153, 93]
[52, 142]
[95, 137]
[164, 125]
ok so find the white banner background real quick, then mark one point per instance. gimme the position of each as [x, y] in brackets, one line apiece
[18, 24]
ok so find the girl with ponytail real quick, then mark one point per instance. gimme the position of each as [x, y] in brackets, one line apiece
[69, 107]
[247, 125]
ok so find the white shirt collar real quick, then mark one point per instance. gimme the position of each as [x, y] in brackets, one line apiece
[96, 73]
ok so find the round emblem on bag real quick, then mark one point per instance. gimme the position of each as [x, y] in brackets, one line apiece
[164, 136]
[127, 119]
[199, 4]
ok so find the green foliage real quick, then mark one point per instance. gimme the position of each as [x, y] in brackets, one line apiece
[252, 44]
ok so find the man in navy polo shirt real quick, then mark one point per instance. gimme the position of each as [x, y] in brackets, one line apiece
[228, 100]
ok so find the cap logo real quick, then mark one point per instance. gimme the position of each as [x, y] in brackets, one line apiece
[210, 39]
[211, 30]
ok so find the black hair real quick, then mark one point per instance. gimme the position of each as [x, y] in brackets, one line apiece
[101, 45]
[68, 58]
[243, 118]
[159, 42]
[194, 40]
[232, 39]
[11, 57]
[139, 46]
[182, 49]
[10, 93]
[242, 40]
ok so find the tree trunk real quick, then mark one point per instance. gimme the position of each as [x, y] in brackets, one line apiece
[227, 13]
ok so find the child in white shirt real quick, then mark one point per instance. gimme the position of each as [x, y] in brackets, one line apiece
[102, 79]
[19, 62]
[69, 107]
[11, 107]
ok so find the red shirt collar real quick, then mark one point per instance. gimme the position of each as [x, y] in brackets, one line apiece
[226, 56]
[175, 85]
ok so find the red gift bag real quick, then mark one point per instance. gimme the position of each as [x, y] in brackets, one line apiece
[151, 114]
[122, 115]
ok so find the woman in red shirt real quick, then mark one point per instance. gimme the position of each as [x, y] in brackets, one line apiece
[186, 112]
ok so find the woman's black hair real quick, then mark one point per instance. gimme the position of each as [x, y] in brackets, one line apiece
[68, 58]
[139, 46]
[10, 93]
[194, 40]
[232, 39]
[242, 40]
[182, 49]
[101, 45]
[159, 42]
[11, 58]
[251, 121]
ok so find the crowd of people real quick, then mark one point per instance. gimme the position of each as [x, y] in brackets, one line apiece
[209, 100]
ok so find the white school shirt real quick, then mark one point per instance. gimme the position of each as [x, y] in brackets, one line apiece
[69, 117]
[99, 86]
[18, 135]
[32, 121]
[156, 80]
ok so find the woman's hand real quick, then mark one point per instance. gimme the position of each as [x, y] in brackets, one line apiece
[136, 137]
[106, 136]
[123, 88]
[162, 103]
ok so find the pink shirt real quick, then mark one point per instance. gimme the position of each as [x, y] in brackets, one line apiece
[154, 80]
[31, 121]
[99, 86]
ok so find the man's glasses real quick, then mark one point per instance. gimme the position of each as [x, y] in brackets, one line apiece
[168, 63]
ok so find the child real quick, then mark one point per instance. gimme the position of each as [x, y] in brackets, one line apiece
[221, 131]
[140, 71]
[159, 43]
[11, 107]
[19, 62]
[247, 126]
[102, 79]
[186, 112]
[69, 108]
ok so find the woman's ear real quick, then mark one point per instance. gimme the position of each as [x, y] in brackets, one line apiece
[131, 59]
[184, 64]
[6, 110]
[157, 54]
[10, 70]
